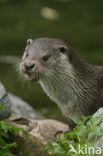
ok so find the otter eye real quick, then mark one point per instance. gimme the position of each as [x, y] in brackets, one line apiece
[63, 49]
[45, 58]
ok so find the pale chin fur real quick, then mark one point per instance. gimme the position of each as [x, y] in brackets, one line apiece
[62, 86]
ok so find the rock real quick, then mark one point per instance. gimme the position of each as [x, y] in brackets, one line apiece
[16, 106]
[40, 132]
[23, 109]
[5, 101]
[99, 112]
[99, 143]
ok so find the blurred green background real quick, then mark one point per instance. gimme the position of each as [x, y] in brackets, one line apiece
[79, 22]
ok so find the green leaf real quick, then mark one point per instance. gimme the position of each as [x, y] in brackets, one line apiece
[79, 135]
[12, 145]
[97, 131]
[2, 107]
[58, 151]
[85, 119]
[82, 131]
[5, 128]
[94, 121]
[55, 144]
[2, 141]
[72, 135]
[4, 134]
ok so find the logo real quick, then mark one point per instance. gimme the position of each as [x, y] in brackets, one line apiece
[85, 150]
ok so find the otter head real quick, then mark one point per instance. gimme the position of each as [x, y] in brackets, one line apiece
[41, 56]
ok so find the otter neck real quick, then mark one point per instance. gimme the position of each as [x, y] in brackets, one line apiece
[65, 85]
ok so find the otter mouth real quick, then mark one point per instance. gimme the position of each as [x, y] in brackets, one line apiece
[30, 77]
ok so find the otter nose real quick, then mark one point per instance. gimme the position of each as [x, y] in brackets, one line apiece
[29, 65]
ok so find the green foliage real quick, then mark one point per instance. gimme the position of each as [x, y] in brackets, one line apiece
[6, 129]
[82, 135]
[2, 108]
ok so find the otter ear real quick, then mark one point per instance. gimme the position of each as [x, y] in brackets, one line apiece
[29, 41]
[63, 49]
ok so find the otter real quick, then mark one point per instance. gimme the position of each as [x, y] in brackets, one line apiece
[73, 84]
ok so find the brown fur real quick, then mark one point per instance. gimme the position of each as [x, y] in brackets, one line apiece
[87, 92]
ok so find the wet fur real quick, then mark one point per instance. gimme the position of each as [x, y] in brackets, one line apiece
[75, 92]
[73, 84]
